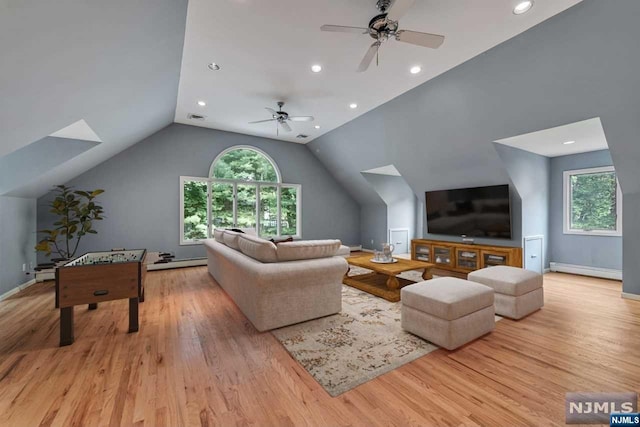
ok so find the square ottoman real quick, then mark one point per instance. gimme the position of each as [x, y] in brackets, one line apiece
[447, 311]
[518, 291]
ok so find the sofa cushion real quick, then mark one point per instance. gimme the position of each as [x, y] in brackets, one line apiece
[307, 249]
[508, 280]
[257, 248]
[447, 298]
[230, 239]
[218, 234]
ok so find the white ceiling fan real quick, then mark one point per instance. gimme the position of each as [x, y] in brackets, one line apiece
[385, 26]
[282, 117]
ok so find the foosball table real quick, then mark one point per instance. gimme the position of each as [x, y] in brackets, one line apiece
[97, 277]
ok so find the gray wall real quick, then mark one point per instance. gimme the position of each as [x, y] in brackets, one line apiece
[530, 176]
[399, 199]
[580, 64]
[142, 185]
[373, 225]
[114, 63]
[17, 238]
[594, 251]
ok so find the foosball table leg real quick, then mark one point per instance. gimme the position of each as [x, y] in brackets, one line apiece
[133, 315]
[66, 326]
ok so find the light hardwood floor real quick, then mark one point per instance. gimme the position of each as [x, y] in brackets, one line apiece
[198, 361]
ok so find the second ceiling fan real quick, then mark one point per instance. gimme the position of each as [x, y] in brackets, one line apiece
[385, 26]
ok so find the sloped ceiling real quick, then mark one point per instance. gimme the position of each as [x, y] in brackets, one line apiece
[115, 64]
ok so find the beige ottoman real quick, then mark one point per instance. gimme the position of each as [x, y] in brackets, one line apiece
[518, 292]
[448, 312]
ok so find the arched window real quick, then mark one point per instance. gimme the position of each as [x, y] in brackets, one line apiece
[244, 190]
[244, 163]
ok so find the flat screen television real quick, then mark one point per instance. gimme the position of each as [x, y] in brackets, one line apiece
[474, 212]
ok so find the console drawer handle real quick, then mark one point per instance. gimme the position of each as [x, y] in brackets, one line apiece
[101, 293]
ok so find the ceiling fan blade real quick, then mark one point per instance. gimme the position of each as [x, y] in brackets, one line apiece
[398, 9]
[262, 121]
[271, 110]
[343, 29]
[432, 41]
[368, 57]
[301, 118]
[285, 126]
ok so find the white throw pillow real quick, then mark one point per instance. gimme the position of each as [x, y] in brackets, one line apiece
[307, 249]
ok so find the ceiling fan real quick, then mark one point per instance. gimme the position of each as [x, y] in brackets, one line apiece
[282, 117]
[384, 26]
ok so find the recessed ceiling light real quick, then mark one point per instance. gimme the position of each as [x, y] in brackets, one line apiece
[523, 7]
[316, 68]
[415, 70]
[568, 142]
[317, 126]
[353, 106]
[213, 66]
[202, 103]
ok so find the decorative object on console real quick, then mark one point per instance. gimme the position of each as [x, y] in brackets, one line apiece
[76, 211]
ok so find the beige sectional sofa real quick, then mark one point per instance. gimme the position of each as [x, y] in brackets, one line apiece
[277, 285]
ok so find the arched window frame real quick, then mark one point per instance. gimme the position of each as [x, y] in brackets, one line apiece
[235, 182]
[245, 147]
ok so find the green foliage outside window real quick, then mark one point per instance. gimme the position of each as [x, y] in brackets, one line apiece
[240, 165]
[195, 210]
[593, 201]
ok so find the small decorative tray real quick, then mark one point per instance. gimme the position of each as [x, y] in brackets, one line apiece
[393, 260]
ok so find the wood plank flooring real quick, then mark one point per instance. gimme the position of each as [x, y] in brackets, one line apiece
[197, 361]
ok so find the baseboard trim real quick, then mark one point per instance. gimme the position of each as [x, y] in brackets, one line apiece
[355, 248]
[633, 297]
[17, 289]
[367, 250]
[194, 262]
[546, 270]
[603, 273]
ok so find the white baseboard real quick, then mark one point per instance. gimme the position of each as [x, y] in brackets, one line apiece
[17, 289]
[366, 250]
[546, 270]
[633, 297]
[195, 262]
[355, 248]
[603, 273]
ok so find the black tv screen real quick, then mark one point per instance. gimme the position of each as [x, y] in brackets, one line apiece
[474, 212]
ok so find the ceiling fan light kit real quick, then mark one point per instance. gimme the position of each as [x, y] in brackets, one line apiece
[282, 118]
[385, 26]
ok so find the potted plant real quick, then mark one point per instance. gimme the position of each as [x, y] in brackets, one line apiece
[75, 211]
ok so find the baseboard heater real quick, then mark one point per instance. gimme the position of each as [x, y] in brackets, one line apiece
[178, 263]
[603, 273]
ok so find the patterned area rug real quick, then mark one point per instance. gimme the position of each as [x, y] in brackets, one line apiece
[362, 342]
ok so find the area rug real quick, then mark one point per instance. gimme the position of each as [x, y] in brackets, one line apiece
[362, 342]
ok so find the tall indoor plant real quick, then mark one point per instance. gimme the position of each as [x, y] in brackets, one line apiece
[75, 211]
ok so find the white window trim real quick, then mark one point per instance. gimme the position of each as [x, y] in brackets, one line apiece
[183, 179]
[567, 202]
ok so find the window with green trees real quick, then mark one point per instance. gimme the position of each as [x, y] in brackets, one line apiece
[244, 190]
[593, 202]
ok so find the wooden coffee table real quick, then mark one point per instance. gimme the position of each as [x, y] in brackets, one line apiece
[383, 281]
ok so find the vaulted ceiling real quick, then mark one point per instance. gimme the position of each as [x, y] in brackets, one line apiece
[126, 69]
[266, 50]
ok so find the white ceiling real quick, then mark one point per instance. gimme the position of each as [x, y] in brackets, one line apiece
[588, 136]
[78, 130]
[266, 49]
[384, 170]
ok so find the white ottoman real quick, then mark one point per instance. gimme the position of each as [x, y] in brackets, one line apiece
[447, 311]
[518, 292]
